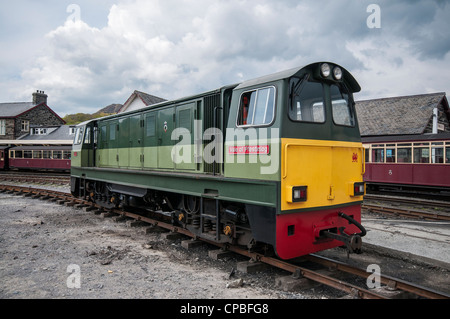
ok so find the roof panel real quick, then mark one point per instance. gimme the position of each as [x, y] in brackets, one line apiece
[14, 109]
[397, 115]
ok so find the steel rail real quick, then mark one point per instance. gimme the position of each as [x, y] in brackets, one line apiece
[292, 268]
[389, 281]
[408, 200]
[383, 209]
[35, 179]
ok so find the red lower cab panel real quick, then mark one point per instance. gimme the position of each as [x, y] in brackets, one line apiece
[300, 233]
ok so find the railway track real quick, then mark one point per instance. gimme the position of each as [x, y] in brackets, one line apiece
[437, 210]
[296, 269]
[429, 209]
[38, 178]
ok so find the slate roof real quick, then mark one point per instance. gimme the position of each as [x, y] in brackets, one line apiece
[61, 133]
[112, 108]
[15, 109]
[397, 115]
[149, 99]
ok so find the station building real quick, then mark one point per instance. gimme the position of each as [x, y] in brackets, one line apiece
[405, 129]
[21, 119]
[404, 115]
[407, 143]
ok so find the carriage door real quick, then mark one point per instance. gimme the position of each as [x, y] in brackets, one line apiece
[164, 128]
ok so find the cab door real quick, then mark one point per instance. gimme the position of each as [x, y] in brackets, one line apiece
[87, 159]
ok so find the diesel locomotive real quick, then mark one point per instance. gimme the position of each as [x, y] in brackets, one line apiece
[274, 162]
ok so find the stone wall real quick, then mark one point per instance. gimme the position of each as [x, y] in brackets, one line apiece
[9, 130]
[38, 116]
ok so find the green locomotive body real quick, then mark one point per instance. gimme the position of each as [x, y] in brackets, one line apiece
[218, 162]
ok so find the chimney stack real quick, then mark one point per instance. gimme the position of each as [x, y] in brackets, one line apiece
[39, 97]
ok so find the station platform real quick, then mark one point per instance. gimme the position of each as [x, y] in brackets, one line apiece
[424, 241]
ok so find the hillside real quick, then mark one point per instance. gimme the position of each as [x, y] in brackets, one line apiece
[73, 119]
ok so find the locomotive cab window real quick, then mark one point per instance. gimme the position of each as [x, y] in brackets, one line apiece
[78, 136]
[306, 101]
[342, 109]
[87, 136]
[257, 107]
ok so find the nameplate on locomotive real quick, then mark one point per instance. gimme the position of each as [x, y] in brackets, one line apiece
[249, 149]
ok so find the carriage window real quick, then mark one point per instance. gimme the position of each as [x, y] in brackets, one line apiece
[37, 154]
[257, 107]
[390, 155]
[66, 154]
[421, 155]
[404, 155]
[447, 154]
[437, 153]
[307, 101]
[27, 154]
[342, 110]
[47, 154]
[57, 154]
[378, 155]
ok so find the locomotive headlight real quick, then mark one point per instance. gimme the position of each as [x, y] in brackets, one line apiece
[337, 73]
[299, 194]
[325, 70]
[356, 189]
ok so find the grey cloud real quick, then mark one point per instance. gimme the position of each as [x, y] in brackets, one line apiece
[171, 48]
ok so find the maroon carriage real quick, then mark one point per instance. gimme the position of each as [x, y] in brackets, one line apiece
[40, 157]
[4, 157]
[407, 161]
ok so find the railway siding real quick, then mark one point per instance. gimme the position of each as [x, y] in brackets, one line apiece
[296, 269]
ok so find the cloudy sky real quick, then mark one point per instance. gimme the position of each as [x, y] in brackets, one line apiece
[89, 54]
